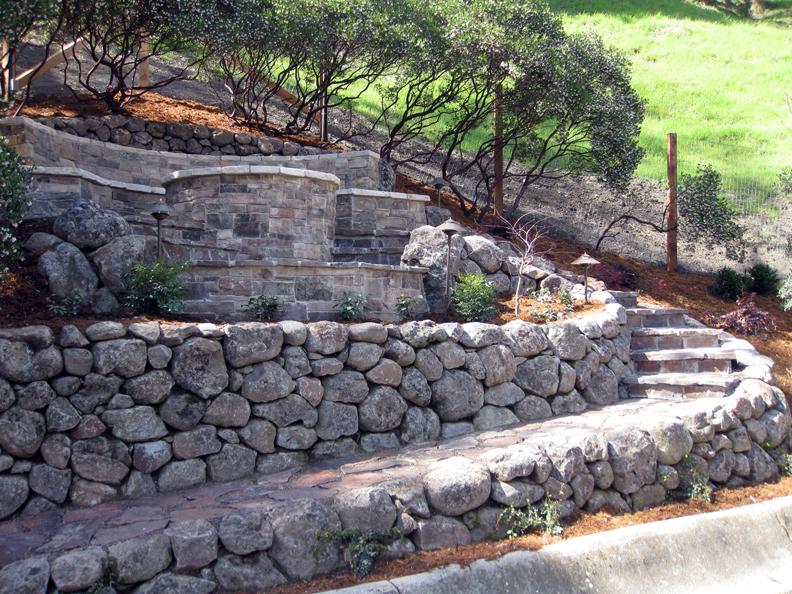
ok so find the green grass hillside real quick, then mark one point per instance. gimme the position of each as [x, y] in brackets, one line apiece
[722, 82]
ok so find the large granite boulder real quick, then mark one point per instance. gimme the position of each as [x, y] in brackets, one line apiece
[114, 260]
[428, 247]
[88, 226]
[456, 485]
[457, 395]
[68, 273]
[198, 366]
[483, 252]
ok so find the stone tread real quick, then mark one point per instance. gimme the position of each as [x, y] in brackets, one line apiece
[119, 520]
[682, 354]
[676, 332]
[655, 311]
[717, 380]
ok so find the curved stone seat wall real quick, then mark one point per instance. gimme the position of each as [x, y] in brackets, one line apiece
[57, 188]
[44, 146]
[125, 411]
[254, 212]
[307, 290]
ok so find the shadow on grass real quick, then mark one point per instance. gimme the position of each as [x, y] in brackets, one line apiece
[628, 10]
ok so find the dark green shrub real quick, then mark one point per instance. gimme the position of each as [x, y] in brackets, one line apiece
[263, 307]
[763, 279]
[156, 288]
[706, 217]
[728, 284]
[473, 298]
[352, 306]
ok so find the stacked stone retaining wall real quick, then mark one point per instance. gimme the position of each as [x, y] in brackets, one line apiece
[45, 146]
[433, 497]
[124, 411]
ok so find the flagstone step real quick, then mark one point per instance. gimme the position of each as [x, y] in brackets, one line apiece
[681, 385]
[686, 360]
[656, 317]
[674, 338]
[625, 298]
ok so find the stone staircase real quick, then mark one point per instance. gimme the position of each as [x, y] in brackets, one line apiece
[672, 358]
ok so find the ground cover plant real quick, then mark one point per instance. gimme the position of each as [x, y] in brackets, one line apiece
[747, 318]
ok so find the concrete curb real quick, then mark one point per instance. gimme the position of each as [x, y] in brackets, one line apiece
[746, 549]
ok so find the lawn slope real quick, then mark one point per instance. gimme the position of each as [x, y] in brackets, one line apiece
[722, 82]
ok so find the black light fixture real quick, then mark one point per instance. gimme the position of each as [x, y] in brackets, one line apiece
[160, 212]
[450, 228]
[585, 260]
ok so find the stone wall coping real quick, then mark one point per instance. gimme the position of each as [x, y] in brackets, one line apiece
[251, 170]
[380, 194]
[308, 264]
[92, 177]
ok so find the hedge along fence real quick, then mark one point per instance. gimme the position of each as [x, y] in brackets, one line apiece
[122, 411]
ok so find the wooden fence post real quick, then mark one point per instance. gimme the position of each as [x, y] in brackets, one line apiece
[671, 204]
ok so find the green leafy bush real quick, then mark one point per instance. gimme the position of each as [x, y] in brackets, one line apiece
[728, 284]
[473, 298]
[785, 293]
[763, 279]
[14, 202]
[534, 518]
[156, 287]
[405, 306]
[352, 306]
[361, 548]
[70, 306]
[785, 180]
[263, 307]
[565, 298]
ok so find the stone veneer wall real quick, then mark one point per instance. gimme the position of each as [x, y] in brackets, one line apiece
[373, 226]
[308, 291]
[121, 411]
[59, 188]
[251, 213]
[44, 146]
